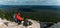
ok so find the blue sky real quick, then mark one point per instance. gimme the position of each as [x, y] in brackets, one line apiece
[29, 2]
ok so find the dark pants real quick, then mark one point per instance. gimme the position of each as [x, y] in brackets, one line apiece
[18, 21]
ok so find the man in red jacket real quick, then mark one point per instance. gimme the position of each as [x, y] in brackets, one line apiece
[18, 18]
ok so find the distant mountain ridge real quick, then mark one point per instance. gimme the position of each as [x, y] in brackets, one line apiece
[30, 7]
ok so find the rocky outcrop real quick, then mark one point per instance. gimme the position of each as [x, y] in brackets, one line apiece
[56, 25]
[7, 24]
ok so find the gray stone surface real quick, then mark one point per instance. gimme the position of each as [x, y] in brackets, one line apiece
[14, 25]
[55, 25]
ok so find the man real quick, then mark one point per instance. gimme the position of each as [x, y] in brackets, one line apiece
[17, 17]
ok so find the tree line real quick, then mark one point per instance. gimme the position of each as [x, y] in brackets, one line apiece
[38, 16]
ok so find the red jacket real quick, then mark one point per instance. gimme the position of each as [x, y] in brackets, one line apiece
[18, 17]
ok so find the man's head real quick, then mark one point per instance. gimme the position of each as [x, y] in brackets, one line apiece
[18, 13]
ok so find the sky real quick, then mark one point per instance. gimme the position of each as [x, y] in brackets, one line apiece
[29, 2]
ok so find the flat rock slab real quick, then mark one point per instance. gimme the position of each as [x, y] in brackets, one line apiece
[14, 25]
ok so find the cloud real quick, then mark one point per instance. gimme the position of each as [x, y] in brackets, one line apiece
[18, 2]
[49, 2]
[29, 2]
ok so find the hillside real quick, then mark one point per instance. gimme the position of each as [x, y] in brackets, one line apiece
[35, 12]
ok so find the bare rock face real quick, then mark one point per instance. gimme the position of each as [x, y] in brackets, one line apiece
[2, 25]
[55, 25]
[14, 25]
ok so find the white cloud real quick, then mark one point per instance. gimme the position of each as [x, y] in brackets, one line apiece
[49, 2]
[29, 2]
[18, 2]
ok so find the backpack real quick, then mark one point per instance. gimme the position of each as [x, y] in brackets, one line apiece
[27, 23]
[14, 16]
[30, 23]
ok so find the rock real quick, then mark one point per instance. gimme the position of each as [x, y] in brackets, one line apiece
[2, 25]
[55, 25]
[14, 25]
